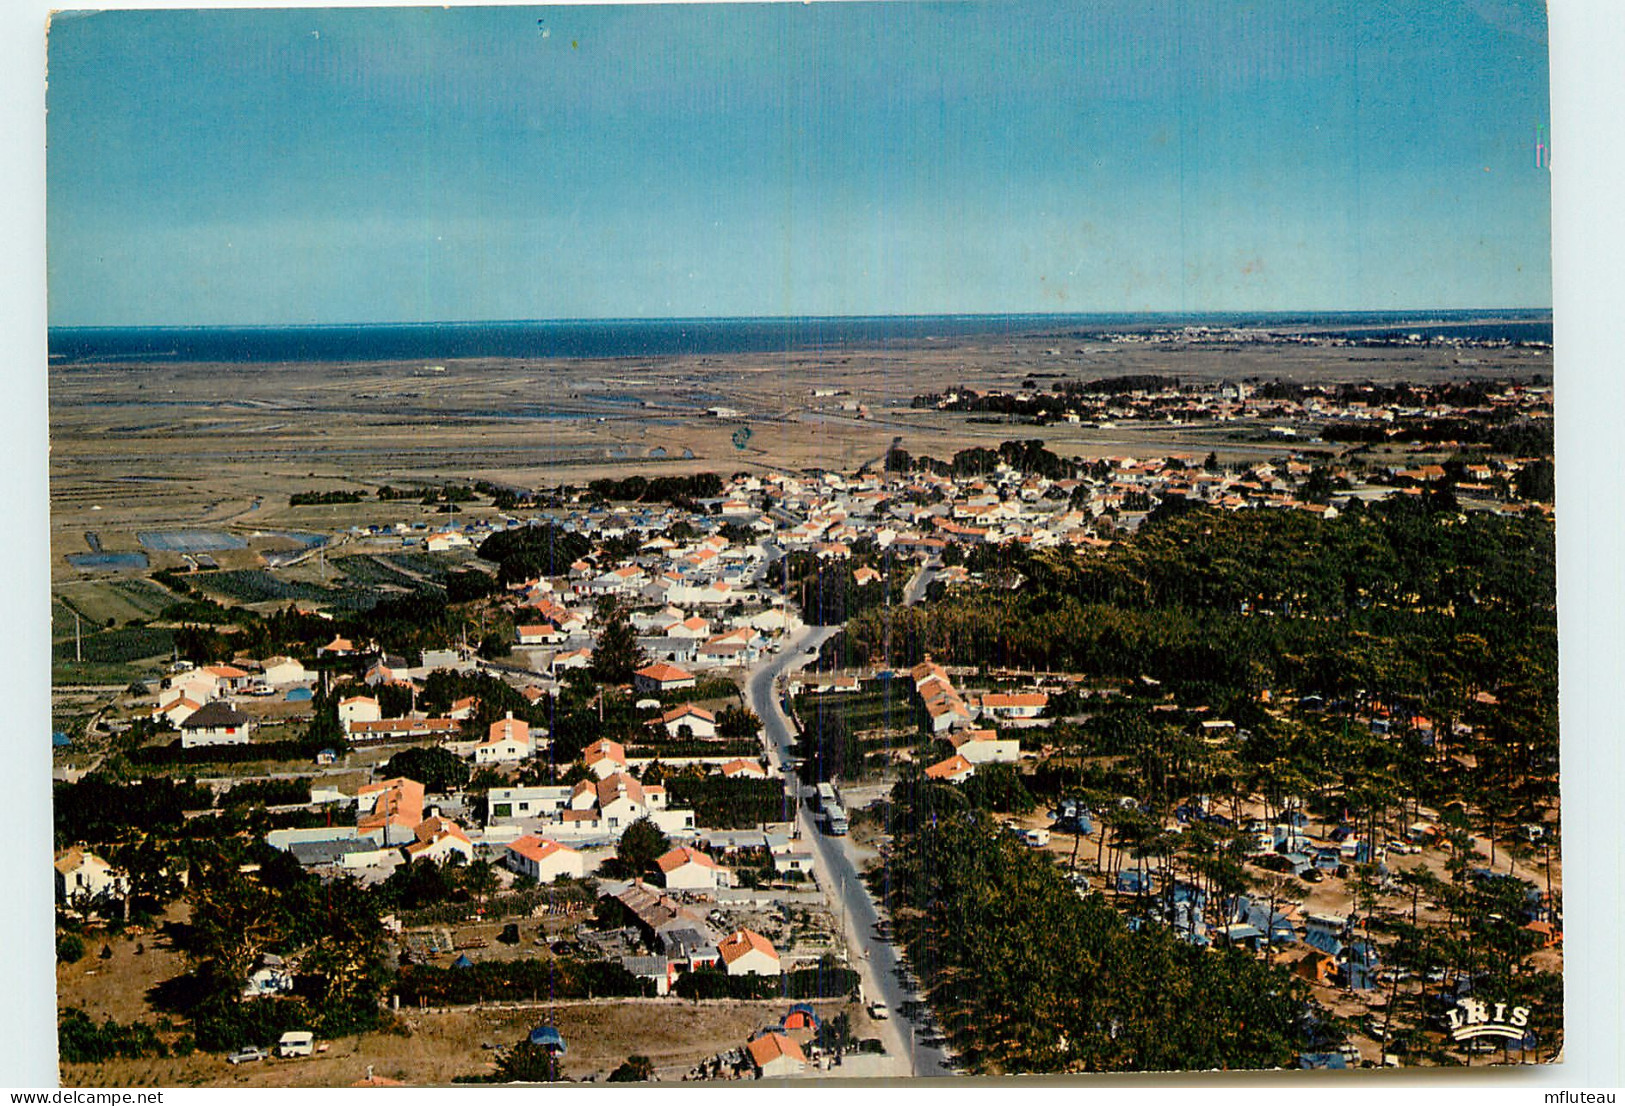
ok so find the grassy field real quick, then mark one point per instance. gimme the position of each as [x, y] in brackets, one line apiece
[250, 587]
[97, 600]
[62, 623]
[433, 566]
[116, 646]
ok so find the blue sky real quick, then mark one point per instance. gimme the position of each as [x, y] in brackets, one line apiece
[356, 165]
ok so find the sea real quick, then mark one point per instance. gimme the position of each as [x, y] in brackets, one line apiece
[610, 338]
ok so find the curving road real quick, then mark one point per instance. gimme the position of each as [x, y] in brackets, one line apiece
[837, 870]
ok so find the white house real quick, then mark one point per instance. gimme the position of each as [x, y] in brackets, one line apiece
[747, 953]
[688, 869]
[789, 855]
[543, 861]
[200, 685]
[573, 658]
[540, 633]
[744, 769]
[660, 677]
[986, 747]
[945, 712]
[956, 769]
[604, 757]
[282, 671]
[695, 628]
[440, 839]
[622, 800]
[216, 723]
[776, 1056]
[1018, 705]
[503, 804]
[177, 710]
[509, 742]
[229, 677]
[338, 647]
[698, 722]
[358, 708]
[83, 873]
[772, 621]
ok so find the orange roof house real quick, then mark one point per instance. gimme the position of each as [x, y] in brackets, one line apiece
[661, 676]
[952, 770]
[681, 855]
[774, 1054]
[396, 808]
[745, 952]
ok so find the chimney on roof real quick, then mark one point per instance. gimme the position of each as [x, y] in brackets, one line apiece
[510, 716]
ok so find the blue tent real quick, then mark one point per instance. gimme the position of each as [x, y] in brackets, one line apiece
[546, 1036]
[462, 962]
[1135, 881]
[59, 739]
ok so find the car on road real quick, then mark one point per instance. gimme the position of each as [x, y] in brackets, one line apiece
[877, 1011]
[246, 1055]
[812, 650]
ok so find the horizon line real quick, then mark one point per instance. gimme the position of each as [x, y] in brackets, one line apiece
[1038, 315]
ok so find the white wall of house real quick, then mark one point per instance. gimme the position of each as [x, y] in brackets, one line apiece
[692, 877]
[561, 862]
[672, 821]
[508, 751]
[515, 804]
[220, 735]
[361, 709]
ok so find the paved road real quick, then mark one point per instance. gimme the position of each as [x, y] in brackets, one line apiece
[919, 582]
[837, 869]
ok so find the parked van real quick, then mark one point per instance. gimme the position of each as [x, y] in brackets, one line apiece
[297, 1042]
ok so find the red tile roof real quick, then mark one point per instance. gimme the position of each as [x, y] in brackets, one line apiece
[683, 855]
[741, 941]
[771, 1046]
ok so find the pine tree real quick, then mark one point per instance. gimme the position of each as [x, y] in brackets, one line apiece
[617, 654]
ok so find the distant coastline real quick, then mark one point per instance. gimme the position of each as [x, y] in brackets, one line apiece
[615, 338]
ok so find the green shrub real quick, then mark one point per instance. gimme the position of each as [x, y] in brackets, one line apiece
[70, 948]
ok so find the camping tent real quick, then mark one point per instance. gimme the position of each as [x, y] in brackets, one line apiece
[546, 1036]
[462, 962]
[801, 1016]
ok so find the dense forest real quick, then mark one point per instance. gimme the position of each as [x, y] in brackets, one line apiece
[1397, 600]
[1031, 978]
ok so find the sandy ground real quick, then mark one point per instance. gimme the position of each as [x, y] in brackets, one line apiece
[435, 1047]
[430, 1046]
